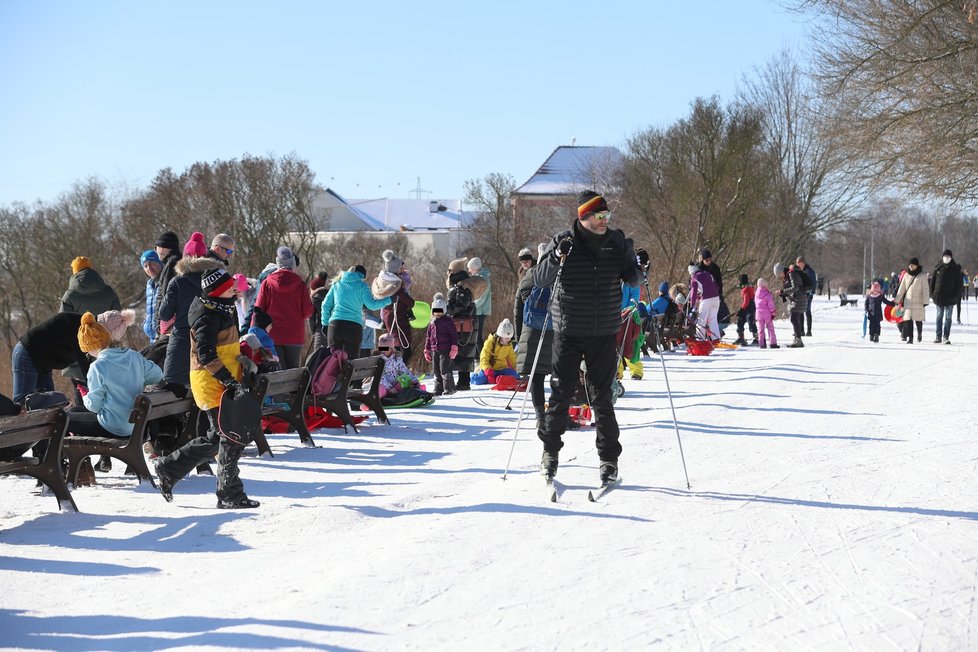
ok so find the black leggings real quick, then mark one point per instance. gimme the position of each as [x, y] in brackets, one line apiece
[346, 335]
[83, 422]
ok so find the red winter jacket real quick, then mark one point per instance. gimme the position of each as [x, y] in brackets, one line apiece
[746, 297]
[286, 299]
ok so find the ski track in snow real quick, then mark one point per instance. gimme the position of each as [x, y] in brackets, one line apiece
[832, 506]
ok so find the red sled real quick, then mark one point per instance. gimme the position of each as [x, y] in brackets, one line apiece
[510, 383]
[698, 347]
[317, 417]
[580, 413]
[893, 314]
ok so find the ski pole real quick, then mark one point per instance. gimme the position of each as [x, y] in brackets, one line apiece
[536, 359]
[665, 375]
[515, 391]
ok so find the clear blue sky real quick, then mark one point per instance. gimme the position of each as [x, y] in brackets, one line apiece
[371, 94]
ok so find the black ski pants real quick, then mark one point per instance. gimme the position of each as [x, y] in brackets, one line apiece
[600, 355]
[183, 460]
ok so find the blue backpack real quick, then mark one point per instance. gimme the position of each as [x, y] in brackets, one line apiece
[535, 309]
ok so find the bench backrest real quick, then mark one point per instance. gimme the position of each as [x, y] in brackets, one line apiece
[155, 405]
[30, 427]
[284, 382]
[363, 368]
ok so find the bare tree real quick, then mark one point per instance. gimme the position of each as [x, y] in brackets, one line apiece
[900, 79]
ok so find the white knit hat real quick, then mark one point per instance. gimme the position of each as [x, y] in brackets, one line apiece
[474, 263]
[505, 329]
[438, 302]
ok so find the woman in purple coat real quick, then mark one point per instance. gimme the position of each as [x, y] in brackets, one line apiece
[704, 298]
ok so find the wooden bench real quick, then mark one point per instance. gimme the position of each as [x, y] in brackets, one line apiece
[28, 428]
[288, 387]
[338, 402]
[147, 407]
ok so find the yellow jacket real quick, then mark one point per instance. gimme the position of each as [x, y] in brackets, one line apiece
[214, 350]
[496, 355]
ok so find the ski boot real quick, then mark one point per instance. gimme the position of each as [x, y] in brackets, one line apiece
[608, 472]
[237, 503]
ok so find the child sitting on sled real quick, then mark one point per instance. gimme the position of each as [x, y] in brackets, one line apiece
[396, 375]
[498, 357]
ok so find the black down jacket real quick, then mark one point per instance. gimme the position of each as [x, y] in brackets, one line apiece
[588, 301]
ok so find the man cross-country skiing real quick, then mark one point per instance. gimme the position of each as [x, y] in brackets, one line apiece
[585, 310]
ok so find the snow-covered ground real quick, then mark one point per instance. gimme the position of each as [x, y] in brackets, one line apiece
[833, 505]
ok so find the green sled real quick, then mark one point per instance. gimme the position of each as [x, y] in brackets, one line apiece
[422, 314]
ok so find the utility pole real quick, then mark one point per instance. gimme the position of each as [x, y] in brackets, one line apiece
[872, 254]
[863, 288]
[418, 190]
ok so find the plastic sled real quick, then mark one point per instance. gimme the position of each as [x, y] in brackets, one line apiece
[317, 417]
[699, 347]
[422, 314]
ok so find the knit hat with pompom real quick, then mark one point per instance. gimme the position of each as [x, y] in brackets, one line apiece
[438, 302]
[392, 263]
[116, 322]
[80, 263]
[195, 247]
[92, 336]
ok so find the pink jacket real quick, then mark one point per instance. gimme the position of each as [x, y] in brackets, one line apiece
[764, 303]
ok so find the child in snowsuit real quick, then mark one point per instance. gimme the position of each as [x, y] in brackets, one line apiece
[214, 369]
[441, 346]
[764, 311]
[747, 313]
[873, 307]
[498, 357]
[396, 375]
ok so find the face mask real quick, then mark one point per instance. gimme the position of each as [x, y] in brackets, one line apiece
[946, 259]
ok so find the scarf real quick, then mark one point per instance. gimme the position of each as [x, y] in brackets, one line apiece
[221, 305]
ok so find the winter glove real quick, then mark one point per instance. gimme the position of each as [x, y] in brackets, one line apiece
[453, 352]
[642, 257]
[404, 380]
[491, 375]
[427, 355]
[235, 389]
[563, 247]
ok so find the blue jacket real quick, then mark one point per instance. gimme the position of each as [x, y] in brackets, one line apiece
[630, 296]
[347, 298]
[115, 379]
[151, 286]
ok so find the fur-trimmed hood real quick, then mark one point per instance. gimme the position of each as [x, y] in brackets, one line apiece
[385, 285]
[475, 284]
[190, 265]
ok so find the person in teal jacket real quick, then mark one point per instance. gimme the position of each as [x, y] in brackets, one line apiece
[342, 314]
[115, 379]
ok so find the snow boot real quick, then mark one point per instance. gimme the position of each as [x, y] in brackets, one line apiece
[608, 471]
[86, 474]
[548, 464]
[774, 346]
[796, 344]
[104, 464]
[237, 503]
[166, 482]
[740, 341]
[541, 417]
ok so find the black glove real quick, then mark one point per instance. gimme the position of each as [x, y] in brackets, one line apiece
[564, 247]
[642, 257]
[236, 389]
